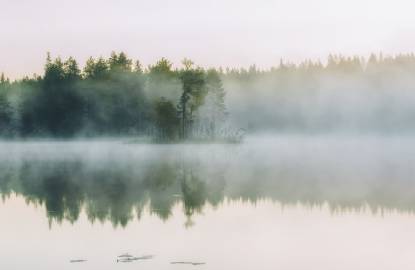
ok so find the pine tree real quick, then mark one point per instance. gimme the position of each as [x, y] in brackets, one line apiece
[193, 95]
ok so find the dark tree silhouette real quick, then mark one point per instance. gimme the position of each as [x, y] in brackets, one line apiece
[113, 96]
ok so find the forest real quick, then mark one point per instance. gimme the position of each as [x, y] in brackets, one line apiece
[114, 97]
[119, 97]
[374, 94]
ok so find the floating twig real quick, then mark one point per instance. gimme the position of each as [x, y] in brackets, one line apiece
[191, 263]
[77, 261]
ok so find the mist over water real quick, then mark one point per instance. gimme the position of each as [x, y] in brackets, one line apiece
[325, 169]
[110, 179]
[116, 160]
[261, 196]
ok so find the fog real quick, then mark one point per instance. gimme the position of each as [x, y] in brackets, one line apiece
[114, 97]
[115, 181]
[348, 94]
[338, 133]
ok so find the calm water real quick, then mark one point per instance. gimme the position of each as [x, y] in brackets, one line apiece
[287, 202]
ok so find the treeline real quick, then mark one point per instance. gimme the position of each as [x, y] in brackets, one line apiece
[113, 97]
[119, 97]
[352, 94]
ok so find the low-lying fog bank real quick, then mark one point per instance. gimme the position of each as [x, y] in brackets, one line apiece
[111, 179]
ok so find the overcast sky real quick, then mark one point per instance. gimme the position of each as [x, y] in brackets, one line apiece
[213, 33]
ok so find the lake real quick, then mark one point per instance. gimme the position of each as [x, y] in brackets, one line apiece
[273, 202]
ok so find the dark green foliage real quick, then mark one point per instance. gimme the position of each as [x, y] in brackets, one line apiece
[110, 97]
[119, 63]
[166, 120]
[114, 97]
[162, 81]
[96, 69]
[193, 95]
[58, 103]
[5, 114]
[162, 67]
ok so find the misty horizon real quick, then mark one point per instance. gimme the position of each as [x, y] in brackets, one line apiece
[220, 134]
[230, 33]
[168, 103]
[281, 62]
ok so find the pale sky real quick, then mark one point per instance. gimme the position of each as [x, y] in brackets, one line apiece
[235, 33]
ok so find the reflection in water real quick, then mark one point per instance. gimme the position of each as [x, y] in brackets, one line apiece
[118, 182]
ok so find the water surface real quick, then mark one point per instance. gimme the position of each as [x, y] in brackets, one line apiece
[285, 202]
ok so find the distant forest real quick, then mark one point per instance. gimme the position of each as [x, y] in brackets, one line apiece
[120, 97]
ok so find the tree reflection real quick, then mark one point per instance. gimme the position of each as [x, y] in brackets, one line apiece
[120, 190]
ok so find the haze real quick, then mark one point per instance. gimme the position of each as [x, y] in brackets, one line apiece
[216, 33]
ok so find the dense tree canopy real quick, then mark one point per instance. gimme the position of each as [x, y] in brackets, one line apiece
[109, 97]
[117, 96]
